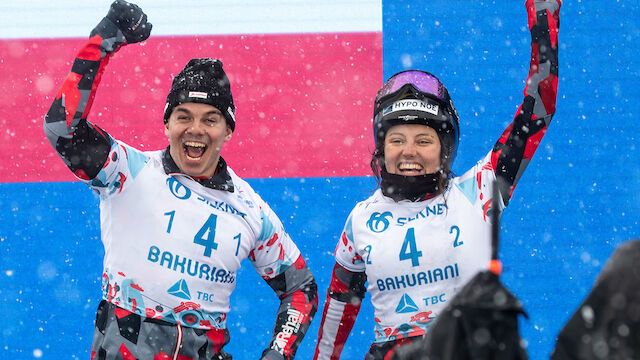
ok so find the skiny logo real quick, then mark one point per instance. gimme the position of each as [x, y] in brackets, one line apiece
[378, 222]
[178, 190]
[197, 94]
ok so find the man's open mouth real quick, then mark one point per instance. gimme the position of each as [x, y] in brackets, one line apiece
[194, 150]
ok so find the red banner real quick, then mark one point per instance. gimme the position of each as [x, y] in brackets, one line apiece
[304, 101]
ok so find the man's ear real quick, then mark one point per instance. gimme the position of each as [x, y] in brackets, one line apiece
[166, 129]
[229, 132]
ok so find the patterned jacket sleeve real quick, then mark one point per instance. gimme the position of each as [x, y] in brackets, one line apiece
[515, 148]
[341, 308]
[83, 146]
[298, 295]
[344, 297]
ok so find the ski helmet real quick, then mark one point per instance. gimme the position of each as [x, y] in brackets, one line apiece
[416, 97]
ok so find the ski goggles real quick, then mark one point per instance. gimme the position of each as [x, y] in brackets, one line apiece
[422, 81]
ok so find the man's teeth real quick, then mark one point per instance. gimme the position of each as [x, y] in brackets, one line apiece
[193, 144]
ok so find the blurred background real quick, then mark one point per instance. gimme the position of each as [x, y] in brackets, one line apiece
[304, 75]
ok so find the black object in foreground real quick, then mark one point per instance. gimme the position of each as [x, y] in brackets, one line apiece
[607, 323]
[480, 322]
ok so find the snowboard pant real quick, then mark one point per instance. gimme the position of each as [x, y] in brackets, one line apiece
[122, 335]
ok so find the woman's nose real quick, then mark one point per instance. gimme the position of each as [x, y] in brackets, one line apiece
[409, 149]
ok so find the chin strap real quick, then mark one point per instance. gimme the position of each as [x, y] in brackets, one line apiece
[414, 188]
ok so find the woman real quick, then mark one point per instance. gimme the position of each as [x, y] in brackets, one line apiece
[424, 233]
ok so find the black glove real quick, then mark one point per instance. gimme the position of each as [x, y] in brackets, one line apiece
[131, 20]
[270, 354]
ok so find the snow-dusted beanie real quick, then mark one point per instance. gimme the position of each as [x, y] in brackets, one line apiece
[202, 81]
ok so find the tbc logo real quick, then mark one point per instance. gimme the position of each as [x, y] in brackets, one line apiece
[180, 289]
[378, 222]
[406, 305]
[178, 190]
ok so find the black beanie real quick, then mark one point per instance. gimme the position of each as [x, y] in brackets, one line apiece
[202, 81]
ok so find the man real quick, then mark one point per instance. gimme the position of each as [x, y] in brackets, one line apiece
[176, 223]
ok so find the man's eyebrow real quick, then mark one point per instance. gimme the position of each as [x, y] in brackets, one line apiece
[184, 110]
[214, 111]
